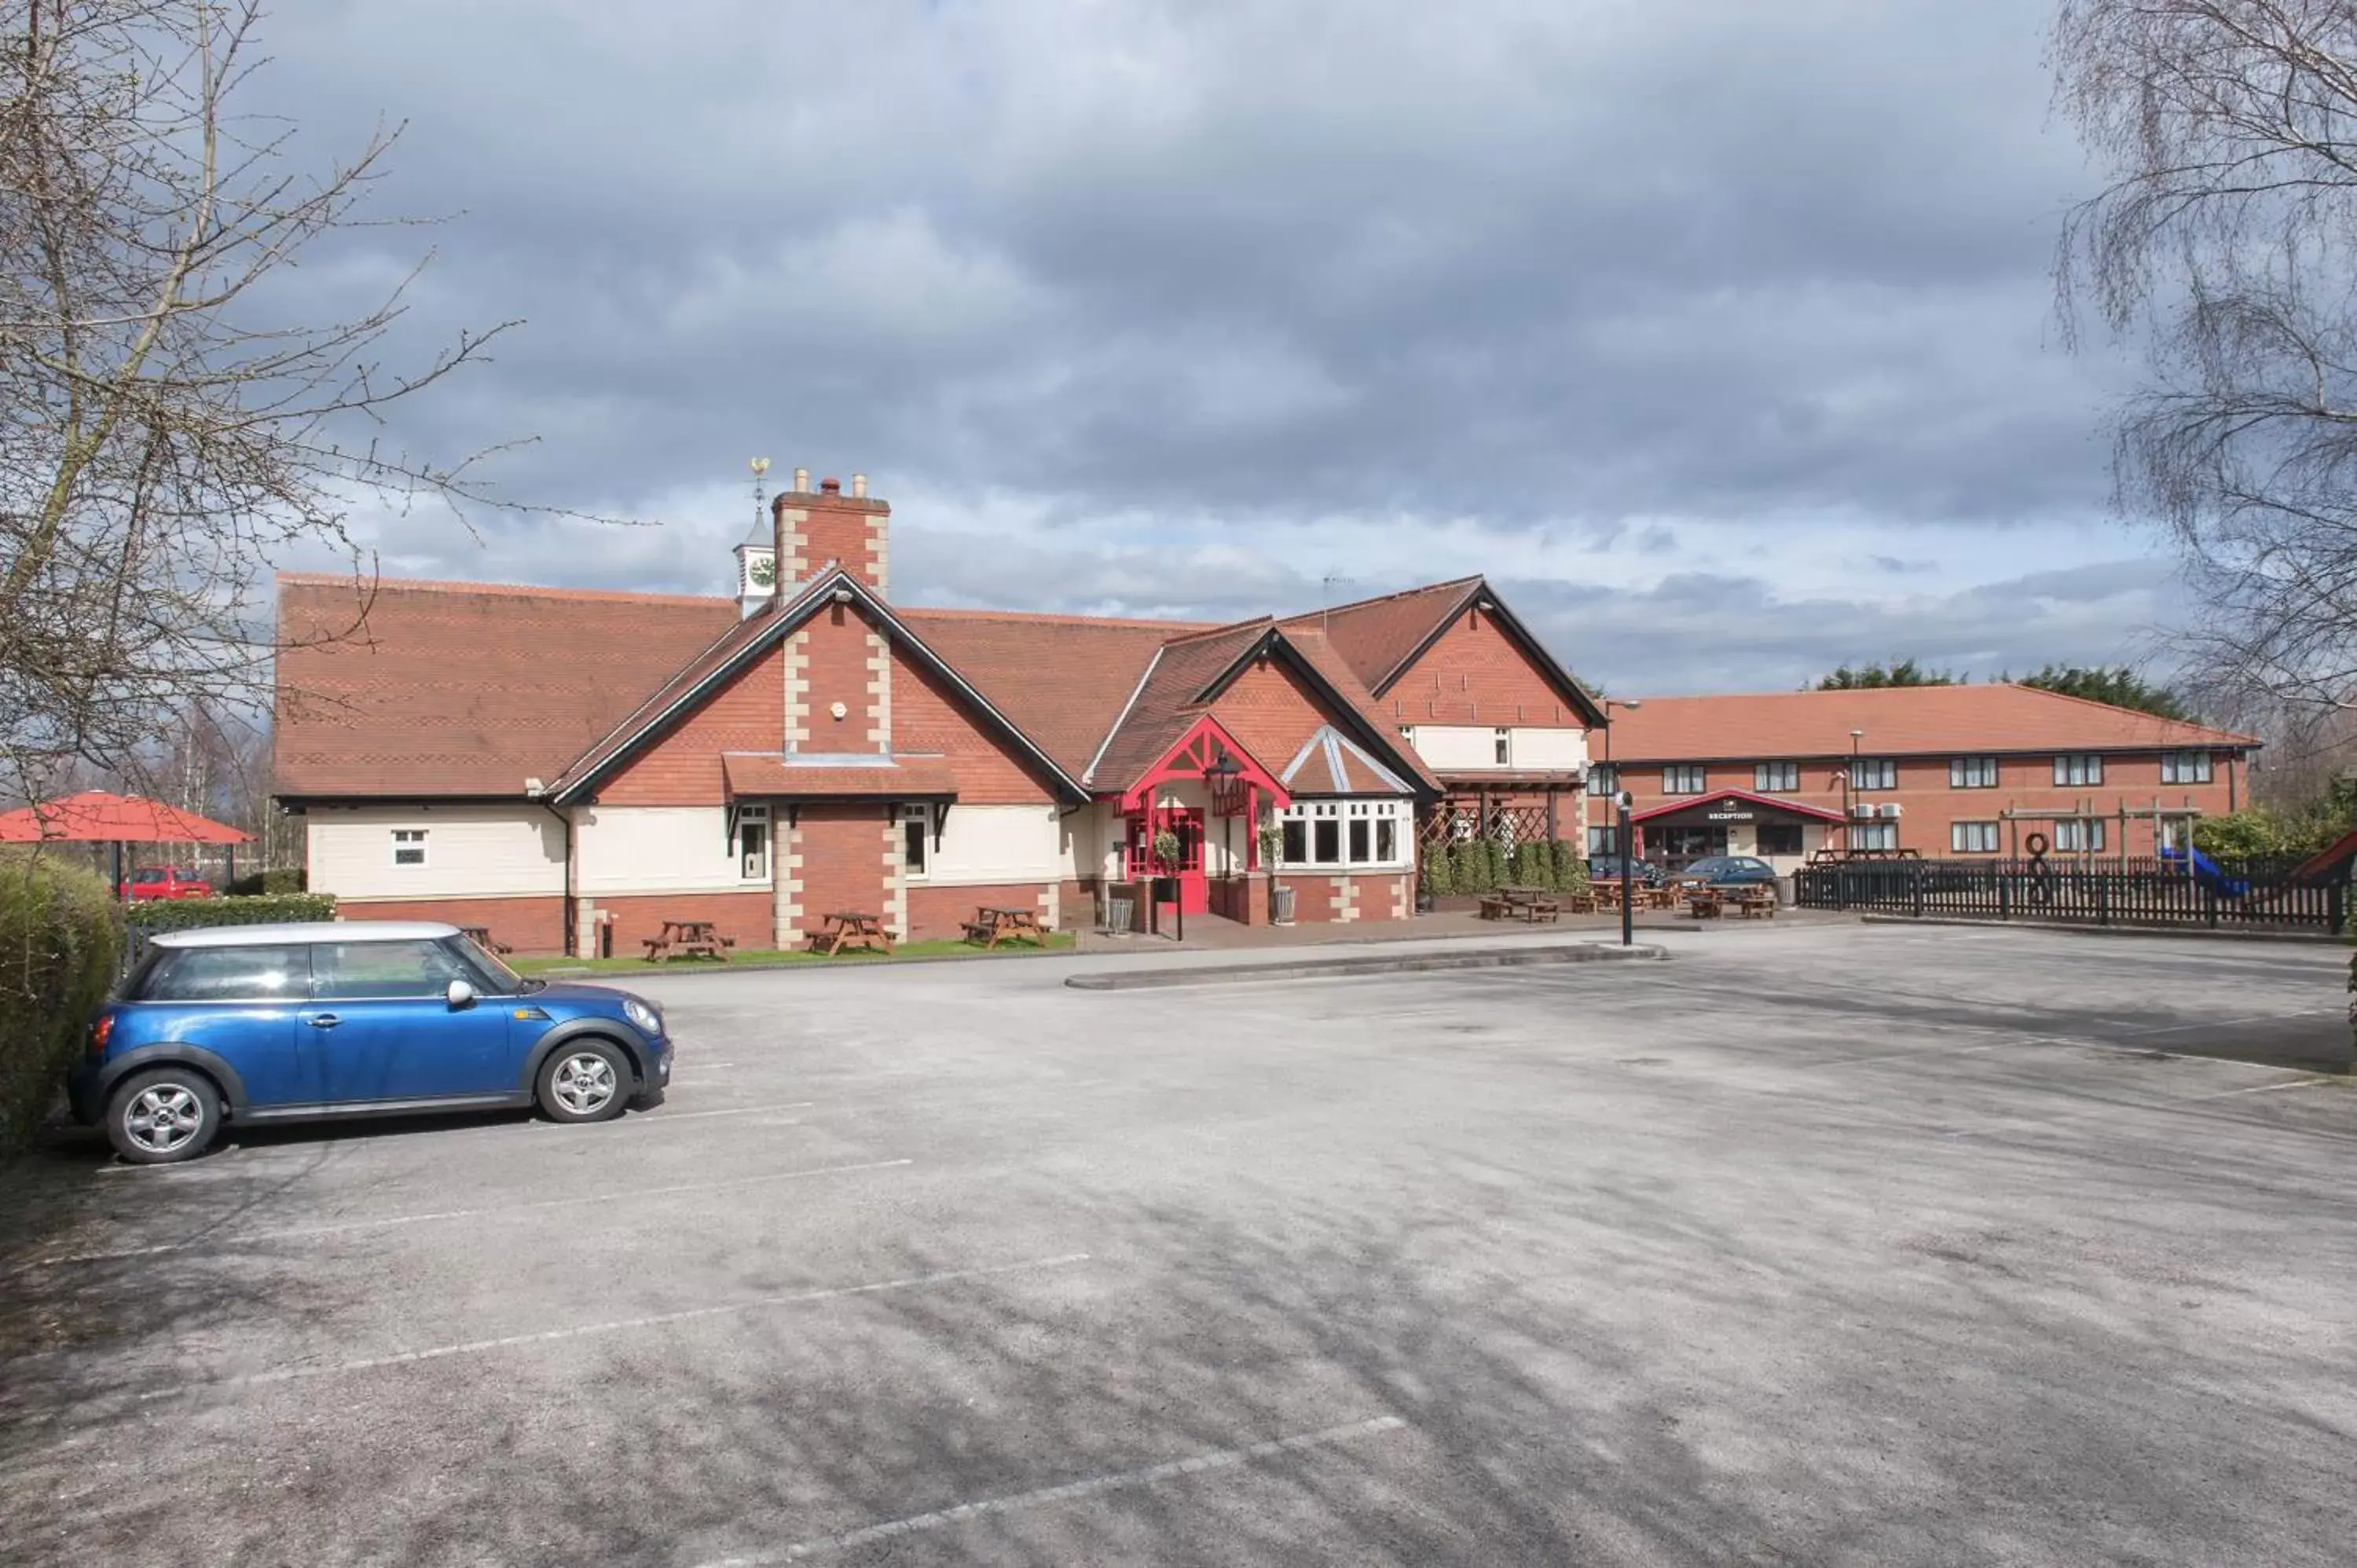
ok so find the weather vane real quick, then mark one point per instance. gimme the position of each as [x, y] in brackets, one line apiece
[761, 466]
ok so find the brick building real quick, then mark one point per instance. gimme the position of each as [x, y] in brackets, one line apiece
[570, 768]
[1946, 771]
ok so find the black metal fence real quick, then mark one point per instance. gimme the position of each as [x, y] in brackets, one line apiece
[2257, 895]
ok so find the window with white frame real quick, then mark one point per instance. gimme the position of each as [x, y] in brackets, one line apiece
[1603, 841]
[409, 846]
[2079, 835]
[2185, 767]
[1685, 778]
[1873, 773]
[1604, 779]
[2082, 767]
[1775, 778]
[1344, 833]
[1972, 773]
[916, 838]
[1874, 835]
[1973, 838]
[753, 845]
[1502, 744]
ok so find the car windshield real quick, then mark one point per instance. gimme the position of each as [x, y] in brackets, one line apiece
[509, 983]
[148, 877]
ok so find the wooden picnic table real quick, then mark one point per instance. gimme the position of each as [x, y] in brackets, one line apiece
[1756, 900]
[996, 923]
[850, 928]
[688, 939]
[482, 937]
[1705, 903]
[1531, 905]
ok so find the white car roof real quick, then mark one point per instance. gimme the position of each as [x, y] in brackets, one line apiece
[305, 931]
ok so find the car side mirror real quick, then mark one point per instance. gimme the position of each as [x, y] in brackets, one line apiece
[461, 994]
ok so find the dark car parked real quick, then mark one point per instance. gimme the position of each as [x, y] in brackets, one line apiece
[1607, 868]
[1728, 871]
[343, 1018]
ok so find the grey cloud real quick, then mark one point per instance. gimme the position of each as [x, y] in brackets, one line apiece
[1714, 633]
[1181, 280]
[1274, 258]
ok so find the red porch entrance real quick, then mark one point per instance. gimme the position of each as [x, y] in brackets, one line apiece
[1186, 824]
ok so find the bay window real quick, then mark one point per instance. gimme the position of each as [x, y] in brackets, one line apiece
[1343, 834]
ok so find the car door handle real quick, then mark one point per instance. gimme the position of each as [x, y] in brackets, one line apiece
[323, 1020]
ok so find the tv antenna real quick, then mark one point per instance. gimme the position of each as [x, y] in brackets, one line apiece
[1327, 584]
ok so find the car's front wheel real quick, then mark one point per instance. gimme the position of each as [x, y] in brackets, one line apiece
[156, 1117]
[584, 1080]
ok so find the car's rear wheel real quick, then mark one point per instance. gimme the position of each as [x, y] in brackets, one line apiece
[158, 1117]
[584, 1080]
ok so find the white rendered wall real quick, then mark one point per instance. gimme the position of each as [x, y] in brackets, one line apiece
[658, 849]
[471, 851]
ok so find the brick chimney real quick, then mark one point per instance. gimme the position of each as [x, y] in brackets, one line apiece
[813, 528]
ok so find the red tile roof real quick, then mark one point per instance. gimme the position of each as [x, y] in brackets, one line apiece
[1376, 637]
[1904, 721]
[1167, 702]
[466, 689]
[459, 688]
[752, 773]
[1062, 679]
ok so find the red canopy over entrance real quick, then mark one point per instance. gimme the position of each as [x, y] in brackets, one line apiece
[96, 817]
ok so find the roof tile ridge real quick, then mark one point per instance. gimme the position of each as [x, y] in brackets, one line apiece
[516, 590]
[1154, 623]
[1386, 598]
[1096, 758]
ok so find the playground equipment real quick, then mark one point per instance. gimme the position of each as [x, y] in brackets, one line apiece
[2205, 871]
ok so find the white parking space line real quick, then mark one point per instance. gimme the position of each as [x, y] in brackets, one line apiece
[301, 1232]
[2310, 1083]
[620, 1326]
[1094, 1486]
[658, 1118]
[2143, 1029]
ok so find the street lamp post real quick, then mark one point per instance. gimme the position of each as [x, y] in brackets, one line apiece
[1850, 792]
[1627, 878]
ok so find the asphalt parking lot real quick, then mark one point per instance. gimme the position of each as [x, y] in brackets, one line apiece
[1826, 1245]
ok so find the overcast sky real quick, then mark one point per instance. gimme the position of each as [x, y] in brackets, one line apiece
[1719, 334]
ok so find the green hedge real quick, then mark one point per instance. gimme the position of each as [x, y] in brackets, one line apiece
[181, 914]
[58, 947]
[256, 883]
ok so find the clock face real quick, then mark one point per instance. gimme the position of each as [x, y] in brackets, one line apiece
[763, 571]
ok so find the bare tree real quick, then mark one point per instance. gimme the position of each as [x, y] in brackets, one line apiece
[165, 435]
[2227, 241]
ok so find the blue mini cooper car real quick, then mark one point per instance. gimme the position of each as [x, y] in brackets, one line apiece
[251, 1024]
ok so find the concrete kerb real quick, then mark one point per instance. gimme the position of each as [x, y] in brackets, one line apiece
[2077, 928]
[1404, 963]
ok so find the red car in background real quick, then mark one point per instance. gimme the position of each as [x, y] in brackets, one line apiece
[164, 882]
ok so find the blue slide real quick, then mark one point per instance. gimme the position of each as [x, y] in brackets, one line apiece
[2206, 872]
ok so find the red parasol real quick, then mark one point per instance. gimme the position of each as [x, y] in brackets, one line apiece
[96, 817]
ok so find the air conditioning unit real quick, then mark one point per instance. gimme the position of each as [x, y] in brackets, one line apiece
[1863, 810]
[1891, 810]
